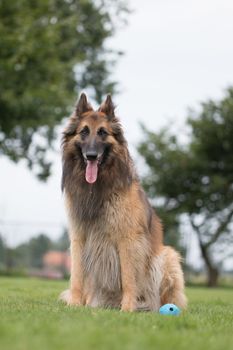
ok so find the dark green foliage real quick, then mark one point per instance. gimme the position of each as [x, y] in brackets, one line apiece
[49, 51]
[30, 254]
[196, 178]
[2, 252]
[37, 247]
[63, 242]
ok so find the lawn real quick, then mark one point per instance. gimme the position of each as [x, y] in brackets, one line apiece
[32, 318]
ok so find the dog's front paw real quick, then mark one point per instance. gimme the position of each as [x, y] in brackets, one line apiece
[69, 299]
[128, 304]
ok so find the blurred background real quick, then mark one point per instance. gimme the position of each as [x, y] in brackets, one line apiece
[168, 65]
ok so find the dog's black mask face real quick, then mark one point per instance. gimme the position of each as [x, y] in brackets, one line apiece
[94, 137]
[93, 143]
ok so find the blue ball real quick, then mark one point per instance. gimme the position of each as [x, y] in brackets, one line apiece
[169, 309]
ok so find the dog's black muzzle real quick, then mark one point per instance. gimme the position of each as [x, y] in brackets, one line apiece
[92, 155]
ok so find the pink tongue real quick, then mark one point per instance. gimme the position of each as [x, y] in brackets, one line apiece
[91, 171]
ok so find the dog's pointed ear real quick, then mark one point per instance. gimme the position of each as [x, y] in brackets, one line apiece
[108, 107]
[82, 105]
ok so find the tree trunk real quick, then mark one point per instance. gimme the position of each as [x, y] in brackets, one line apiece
[212, 271]
[213, 275]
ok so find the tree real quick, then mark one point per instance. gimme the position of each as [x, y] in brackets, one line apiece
[62, 243]
[50, 50]
[196, 178]
[37, 247]
[2, 252]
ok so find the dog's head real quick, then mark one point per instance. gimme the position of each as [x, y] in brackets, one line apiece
[93, 137]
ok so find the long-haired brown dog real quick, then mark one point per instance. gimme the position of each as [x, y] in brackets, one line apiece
[117, 254]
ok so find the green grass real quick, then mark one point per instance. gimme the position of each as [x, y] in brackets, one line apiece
[32, 318]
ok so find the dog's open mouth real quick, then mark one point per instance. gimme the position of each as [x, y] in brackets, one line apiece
[91, 171]
[92, 166]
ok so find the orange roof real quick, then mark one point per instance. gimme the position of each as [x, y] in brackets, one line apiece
[57, 258]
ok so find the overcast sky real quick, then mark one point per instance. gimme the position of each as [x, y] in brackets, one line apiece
[177, 53]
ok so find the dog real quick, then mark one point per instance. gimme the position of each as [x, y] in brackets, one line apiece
[118, 259]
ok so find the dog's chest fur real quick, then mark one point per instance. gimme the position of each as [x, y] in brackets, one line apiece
[100, 256]
[101, 262]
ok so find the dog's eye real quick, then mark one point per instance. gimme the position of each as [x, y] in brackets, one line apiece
[102, 132]
[85, 131]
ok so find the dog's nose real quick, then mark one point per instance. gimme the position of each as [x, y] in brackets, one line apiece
[91, 155]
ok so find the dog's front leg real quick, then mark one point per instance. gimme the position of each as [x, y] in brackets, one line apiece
[75, 295]
[128, 278]
[76, 278]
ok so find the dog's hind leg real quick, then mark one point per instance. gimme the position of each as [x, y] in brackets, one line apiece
[152, 285]
[172, 284]
[165, 282]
